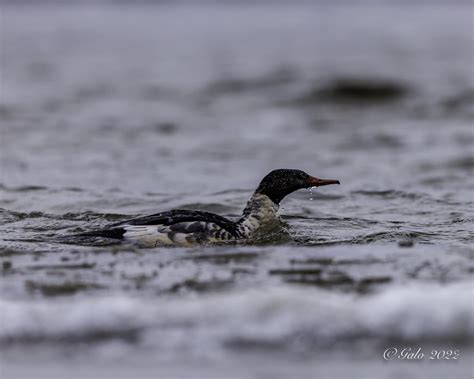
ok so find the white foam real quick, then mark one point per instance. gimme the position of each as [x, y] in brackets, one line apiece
[270, 314]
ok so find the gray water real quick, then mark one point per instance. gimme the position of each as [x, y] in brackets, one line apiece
[113, 111]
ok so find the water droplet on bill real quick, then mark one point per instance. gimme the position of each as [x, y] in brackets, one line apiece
[310, 189]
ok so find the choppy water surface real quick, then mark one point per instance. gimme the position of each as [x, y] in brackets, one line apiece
[109, 112]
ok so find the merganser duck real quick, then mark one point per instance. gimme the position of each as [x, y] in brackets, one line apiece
[182, 227]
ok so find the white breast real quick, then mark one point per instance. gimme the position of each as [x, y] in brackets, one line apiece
[260, 214]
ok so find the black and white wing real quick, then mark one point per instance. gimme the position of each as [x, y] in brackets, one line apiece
[176, 227]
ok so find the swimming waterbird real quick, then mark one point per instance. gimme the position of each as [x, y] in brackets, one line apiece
[182, 227]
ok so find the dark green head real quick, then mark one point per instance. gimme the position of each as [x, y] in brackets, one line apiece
[279, 183]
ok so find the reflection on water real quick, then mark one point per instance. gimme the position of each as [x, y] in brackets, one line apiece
[165, 107]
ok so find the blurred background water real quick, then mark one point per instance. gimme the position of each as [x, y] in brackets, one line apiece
[115, 109]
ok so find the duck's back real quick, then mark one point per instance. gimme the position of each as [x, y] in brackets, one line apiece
[179, 227]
